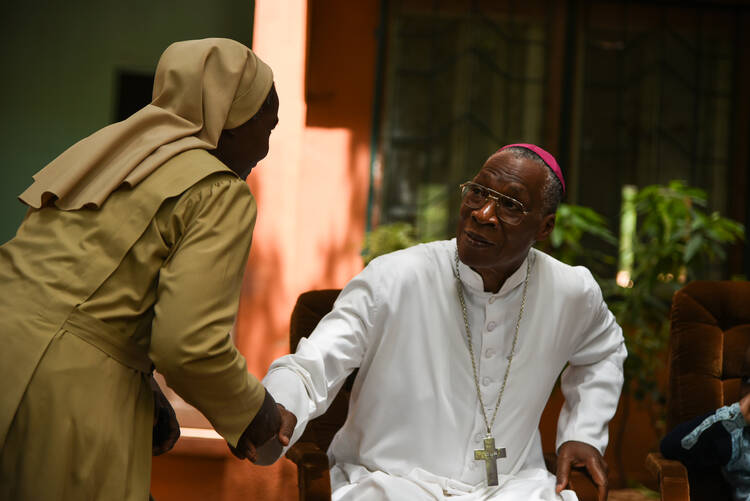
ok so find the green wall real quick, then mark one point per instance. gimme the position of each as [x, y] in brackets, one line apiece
[59, 65]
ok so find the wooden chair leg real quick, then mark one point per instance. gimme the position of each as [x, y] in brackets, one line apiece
[313, 476]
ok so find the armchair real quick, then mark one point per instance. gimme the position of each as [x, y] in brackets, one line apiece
[309, 452]
[709, 334]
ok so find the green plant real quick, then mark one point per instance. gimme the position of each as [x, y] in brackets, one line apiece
[676, 239]
[570, 240]
[388, 238]
[672, 238]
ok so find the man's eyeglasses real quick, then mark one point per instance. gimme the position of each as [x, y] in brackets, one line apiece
[509, 210]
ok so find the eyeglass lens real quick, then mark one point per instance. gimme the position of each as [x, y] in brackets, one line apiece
[506, 209]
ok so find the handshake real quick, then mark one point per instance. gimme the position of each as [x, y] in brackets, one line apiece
[270, 430]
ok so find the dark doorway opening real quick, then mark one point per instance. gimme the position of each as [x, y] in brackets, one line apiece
[133, 92]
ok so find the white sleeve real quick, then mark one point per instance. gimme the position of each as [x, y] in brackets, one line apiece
[307, 381]
[593, 379]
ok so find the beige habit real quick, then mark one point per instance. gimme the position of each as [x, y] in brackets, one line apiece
[131, 256]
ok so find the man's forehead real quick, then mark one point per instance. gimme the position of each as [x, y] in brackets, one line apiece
[507, 168]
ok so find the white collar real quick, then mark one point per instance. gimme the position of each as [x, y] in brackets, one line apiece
[473, 280]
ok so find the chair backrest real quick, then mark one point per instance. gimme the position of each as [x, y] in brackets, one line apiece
[310, 308]
[709, 334]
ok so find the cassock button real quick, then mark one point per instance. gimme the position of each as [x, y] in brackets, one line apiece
[489, 353]
[491, 326]
[486, 381]
[492, 299]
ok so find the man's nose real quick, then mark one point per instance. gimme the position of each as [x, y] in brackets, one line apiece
[487, 213]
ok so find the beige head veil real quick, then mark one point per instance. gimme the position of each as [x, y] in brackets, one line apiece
[201, 87]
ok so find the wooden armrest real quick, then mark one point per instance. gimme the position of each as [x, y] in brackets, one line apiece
[309, 455]
[313, 479]
[579, 480]
[672, 476]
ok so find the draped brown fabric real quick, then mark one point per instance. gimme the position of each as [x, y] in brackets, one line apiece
[201, 87]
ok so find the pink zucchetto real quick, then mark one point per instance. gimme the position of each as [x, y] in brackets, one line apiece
[546, 156]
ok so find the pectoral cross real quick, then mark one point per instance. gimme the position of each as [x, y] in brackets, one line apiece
[490, 455]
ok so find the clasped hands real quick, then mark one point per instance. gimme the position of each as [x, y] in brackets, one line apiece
[574, 454]
[273, 422]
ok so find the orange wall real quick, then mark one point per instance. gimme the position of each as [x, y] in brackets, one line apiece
[312, 198]
[312, 187]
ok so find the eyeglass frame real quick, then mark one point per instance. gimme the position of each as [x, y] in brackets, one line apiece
[496, 196]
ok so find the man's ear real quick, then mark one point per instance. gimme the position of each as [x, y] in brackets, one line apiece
[546, 226]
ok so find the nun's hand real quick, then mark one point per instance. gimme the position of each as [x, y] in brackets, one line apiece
[166, 429]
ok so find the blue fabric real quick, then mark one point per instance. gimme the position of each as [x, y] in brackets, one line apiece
[714, 449]
[737, 469]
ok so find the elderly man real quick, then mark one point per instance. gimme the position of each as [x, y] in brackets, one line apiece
[459, 344]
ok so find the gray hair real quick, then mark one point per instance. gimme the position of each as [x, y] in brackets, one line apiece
[552, 191]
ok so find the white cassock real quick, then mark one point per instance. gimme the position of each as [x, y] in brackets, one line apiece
[414, 418]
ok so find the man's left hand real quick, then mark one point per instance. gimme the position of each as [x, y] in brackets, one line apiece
[574, 454]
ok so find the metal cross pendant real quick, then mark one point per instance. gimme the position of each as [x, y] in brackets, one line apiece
[490, 455]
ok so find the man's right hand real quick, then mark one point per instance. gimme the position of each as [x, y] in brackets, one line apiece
[288, 422]
[271, 421]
